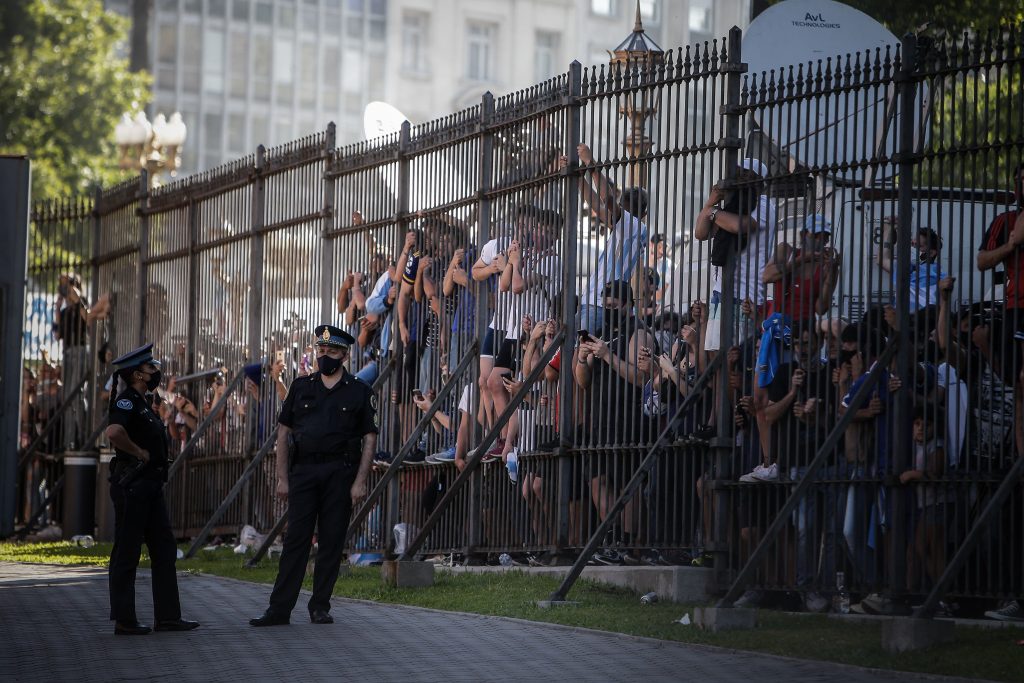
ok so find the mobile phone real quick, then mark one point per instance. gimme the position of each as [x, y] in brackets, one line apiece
[279, 355]
[584, 335]
[417, 393]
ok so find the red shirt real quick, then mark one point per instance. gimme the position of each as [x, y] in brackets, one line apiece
[996, 236]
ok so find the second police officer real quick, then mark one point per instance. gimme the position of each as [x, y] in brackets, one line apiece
[137, 480]
[331, 419]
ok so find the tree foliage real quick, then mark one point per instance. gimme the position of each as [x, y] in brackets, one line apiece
[63, 88]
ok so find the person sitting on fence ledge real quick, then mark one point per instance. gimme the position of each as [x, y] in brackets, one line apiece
[746, 219]
[332, 420]
[1003, 244]
[806, 276]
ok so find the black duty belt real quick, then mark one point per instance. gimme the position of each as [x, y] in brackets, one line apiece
[321, 457]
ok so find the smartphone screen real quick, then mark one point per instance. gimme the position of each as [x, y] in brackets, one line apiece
[584, 335]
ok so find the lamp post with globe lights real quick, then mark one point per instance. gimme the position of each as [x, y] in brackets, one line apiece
[152, 146]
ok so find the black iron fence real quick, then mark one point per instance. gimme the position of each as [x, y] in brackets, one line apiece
[673, 279]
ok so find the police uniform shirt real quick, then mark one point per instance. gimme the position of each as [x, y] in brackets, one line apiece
[131, 410]
[327, 420]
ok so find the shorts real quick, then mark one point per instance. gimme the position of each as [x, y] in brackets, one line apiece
[492, 343]
[508, 355]
[408, 373]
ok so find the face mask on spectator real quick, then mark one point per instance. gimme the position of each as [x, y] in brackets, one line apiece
[328, 366]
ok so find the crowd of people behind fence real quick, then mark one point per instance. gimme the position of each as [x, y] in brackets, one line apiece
[642, 342]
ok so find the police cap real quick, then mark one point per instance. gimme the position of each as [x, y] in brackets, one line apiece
[133, 359]
[329, 335]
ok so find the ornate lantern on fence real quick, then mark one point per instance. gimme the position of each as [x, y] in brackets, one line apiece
[153, 146]
[637, 59]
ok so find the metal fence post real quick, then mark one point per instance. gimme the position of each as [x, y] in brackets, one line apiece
[566, 382]
[328, 307]
[901, 447]
[392, 513]
[722, 444]
[142, 268]
[258, 220]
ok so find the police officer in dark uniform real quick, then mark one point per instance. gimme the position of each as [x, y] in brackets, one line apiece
[331, 418]
[137, 480]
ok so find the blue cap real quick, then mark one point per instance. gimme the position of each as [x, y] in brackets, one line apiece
[254, 372]
[816, 223]
[329, 335]
[133, 359]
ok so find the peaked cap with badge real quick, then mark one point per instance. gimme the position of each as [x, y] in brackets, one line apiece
[329, 335]
[133, 359]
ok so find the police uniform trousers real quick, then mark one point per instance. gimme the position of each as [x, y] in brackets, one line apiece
[317, 492]
[140, 514]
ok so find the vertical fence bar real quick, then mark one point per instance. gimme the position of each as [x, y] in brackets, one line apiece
[566, 381]
[902, 449]
[722, 446]
[328, 314]
[142, 268]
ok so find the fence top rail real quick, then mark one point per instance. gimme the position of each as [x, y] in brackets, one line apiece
[301, 152]
[968, 53]
[119, 196]
[457, 127]
[363, 155]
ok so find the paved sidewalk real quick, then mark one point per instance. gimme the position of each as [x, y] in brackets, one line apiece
[53, 627]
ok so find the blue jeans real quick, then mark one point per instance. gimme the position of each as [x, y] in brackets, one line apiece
[368, 373]
[805, 520]
[860, 497]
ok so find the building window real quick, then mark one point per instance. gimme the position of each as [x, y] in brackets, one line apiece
[701, 18]
[261, 68]
[310, 19]
[307, 74]
[480, 39]
[284, 71]
[167, 56]
[353, 75]
[240, 10]
[264, 13]
[236, 134]
[329, 70]
[378, 19]
[217, 8]
[354, 18]
[650, 11]
[239, 64]
[546, 55]
[415, 42]
[193, 6]
[190, 64]
[260, 131]
[286, 17]
[213, 61]
[213, 139]
[169, 6]
[603, 8]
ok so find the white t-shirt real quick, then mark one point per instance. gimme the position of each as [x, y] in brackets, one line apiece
[956, 412]
[750, 262]
[536, 301]
[617, 261]
[502, 300]
[466, 400]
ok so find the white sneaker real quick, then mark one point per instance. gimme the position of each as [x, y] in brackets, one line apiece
[770, 473]
[1011, 611]
[754, 476]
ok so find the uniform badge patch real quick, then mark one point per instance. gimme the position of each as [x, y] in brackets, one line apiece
[124, 404]
[373, 401]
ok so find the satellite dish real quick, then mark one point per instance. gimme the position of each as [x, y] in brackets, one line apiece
[380, 118]
[830, 128]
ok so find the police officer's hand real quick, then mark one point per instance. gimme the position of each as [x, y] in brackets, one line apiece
[282, 489]
[143, 455]
[358, 492]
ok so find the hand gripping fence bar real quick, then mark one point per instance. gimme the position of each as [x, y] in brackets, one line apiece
[782, 517]
[364, 510]
[634, 484]
[272, 535]
[232, 494]
[489, 438]
[52, 422]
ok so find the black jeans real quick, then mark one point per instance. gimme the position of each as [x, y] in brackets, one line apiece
[321, 493]
[140, 514]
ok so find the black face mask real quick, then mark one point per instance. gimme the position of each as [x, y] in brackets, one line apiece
[154, 380]
[328, 366]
